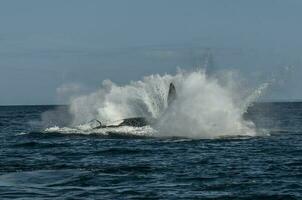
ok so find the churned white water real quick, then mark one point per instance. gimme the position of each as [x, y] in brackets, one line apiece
[205, 107]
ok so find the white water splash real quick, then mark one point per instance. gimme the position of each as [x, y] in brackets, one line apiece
[145, 131]
[204, 108]
[146, 98]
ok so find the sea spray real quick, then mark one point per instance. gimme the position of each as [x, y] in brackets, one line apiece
[204, 107]
[146, 98]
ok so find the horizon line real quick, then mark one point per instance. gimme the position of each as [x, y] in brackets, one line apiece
[262, 101]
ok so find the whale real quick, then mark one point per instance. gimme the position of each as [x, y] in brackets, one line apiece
[138, 121]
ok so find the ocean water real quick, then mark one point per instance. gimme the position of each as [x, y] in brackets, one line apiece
[38, 163]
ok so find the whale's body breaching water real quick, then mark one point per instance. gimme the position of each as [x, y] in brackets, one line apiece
[205, 107]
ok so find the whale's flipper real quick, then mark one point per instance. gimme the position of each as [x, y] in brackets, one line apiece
[171, 94]
[99, 122]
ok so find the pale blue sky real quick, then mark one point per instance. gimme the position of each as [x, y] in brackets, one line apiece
[45, 44]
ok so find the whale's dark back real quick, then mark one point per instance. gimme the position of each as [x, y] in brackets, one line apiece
[135, 122]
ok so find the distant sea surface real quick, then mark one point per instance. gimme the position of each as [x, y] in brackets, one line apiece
[38, 165]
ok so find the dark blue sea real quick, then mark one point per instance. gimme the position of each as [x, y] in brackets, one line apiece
[38, 165]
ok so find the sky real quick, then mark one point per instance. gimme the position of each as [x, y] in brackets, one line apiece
[46, 46]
